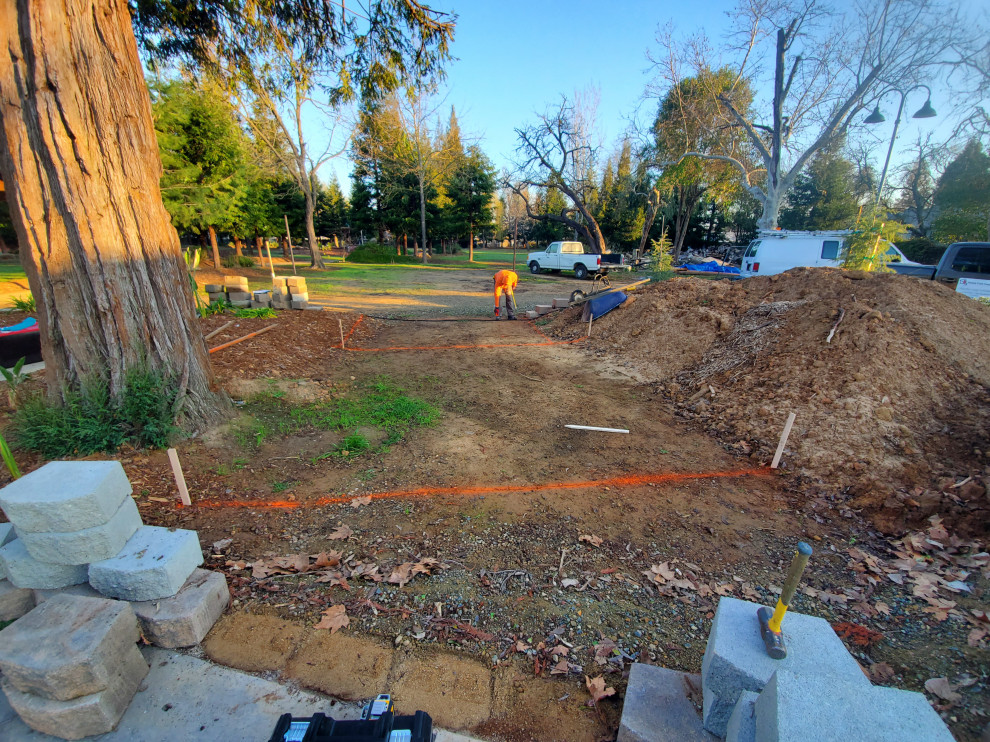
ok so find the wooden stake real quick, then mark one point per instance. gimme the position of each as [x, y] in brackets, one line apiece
[242, 339]
[341, 323]
[783, 440]
[590, 317]
[288, 241]
[600, 430]
[271, 265]
[180, 480]
[220, 329]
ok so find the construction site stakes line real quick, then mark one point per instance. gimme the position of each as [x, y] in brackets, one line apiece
[627, 481]
[242, 339]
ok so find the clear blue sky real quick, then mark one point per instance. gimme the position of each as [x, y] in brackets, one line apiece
[515, 57]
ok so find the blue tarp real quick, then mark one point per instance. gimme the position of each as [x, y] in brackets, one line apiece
[604, 304]
[712, 267]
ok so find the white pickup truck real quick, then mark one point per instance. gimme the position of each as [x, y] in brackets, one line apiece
[568, 256]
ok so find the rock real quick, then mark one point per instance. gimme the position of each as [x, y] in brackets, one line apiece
[185, 618]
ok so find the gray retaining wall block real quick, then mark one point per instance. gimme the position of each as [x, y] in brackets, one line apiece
[96, 713]
[742, 722]
[23, 570]
[65, 496]
[154, 564]
[657, 707]
[736, 658]
[84, 590]
[797, 708]
[7, 533]
[14, 601]
[185, 618]
[68, 646]
[87, 545]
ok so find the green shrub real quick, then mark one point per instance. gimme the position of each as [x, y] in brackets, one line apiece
[215, 307]
[256, 312]
[237, 261]
[91, 421]
[27, 304]
[921, 250]
[373, 252]
[662, 263]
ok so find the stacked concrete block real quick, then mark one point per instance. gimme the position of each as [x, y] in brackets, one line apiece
[71, 665]
[298, 295]
[238, 293]
[24, 571]
[796, 708]
[185, 618]
[14, 601]
[658, 707]
[561, 303]
[280, 293]
[261, 299]
[736, 659]
[742, 721]
[154, 564]
[83, 589]
[215, 292]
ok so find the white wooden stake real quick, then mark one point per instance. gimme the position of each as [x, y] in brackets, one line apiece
[590, 317]
[341, 323]
[783, 440]
[180, 480]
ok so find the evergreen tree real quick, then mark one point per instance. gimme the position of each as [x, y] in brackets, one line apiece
[824, 195]
[472, 186]
[962, 197]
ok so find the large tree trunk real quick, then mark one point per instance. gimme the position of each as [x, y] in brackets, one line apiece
[216, 248]
[314, 246]
[80, 161]
[422, 216]
[771, 208]
[259, 243]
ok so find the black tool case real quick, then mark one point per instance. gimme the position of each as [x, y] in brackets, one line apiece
[323, 728]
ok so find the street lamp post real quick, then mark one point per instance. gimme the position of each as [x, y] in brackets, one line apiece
[925, 112]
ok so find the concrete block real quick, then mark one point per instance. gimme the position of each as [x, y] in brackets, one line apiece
[229, 281]
[87, 545]
[561, 303]
[235, 296]
[260, 304]
[532, 314]
[240, 304]
[294, 282]
[542, 308]
[261, 295]
[65, 496]
[213, 288]
[25, 571]
[742, 722]
[14, 601]
[280, 281]
[658, 707]
[300, 296]
[736, 660]
[84, 590]
[95, 713]
[68, 646]
[185, 618]
[154, 564]
[313, 308]
[795, 708]
[216, 297]
[7, 533]
[299, 304]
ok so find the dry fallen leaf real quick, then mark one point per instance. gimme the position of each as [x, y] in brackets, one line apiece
[359, 501]
[402, 574]
[343, 531]
[942, 688]
[568, 582]
[597, 689]
[881, 672]
[561, 668]
[334, 618]
[593, 540]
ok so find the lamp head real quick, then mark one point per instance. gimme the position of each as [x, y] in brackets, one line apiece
[876, 117]
[926, 111]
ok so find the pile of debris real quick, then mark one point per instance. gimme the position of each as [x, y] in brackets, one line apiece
[888, 376]
[286, 292]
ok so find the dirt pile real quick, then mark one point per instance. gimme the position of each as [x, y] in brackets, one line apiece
[892, 411]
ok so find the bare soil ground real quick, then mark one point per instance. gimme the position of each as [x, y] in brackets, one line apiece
[562, 554]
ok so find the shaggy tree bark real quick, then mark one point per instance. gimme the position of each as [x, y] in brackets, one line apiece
[80, 161]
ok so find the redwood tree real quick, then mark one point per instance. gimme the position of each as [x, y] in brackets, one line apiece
[79, 158]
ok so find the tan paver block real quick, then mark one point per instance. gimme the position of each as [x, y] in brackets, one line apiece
[455, 691]
[344, 666]
[253, 643]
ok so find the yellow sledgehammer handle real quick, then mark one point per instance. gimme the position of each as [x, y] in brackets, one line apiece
[798, 564]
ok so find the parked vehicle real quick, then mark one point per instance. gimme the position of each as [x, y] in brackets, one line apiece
[965, 265]
[780, 250]
[574, 256]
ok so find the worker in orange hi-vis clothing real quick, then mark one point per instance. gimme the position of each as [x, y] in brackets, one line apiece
[505, 281]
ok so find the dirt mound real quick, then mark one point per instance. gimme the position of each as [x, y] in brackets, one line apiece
[892, 411]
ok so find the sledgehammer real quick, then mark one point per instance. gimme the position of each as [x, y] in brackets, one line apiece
[773, 638]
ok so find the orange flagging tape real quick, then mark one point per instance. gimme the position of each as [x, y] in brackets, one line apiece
[627, 481]
[549, 341]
